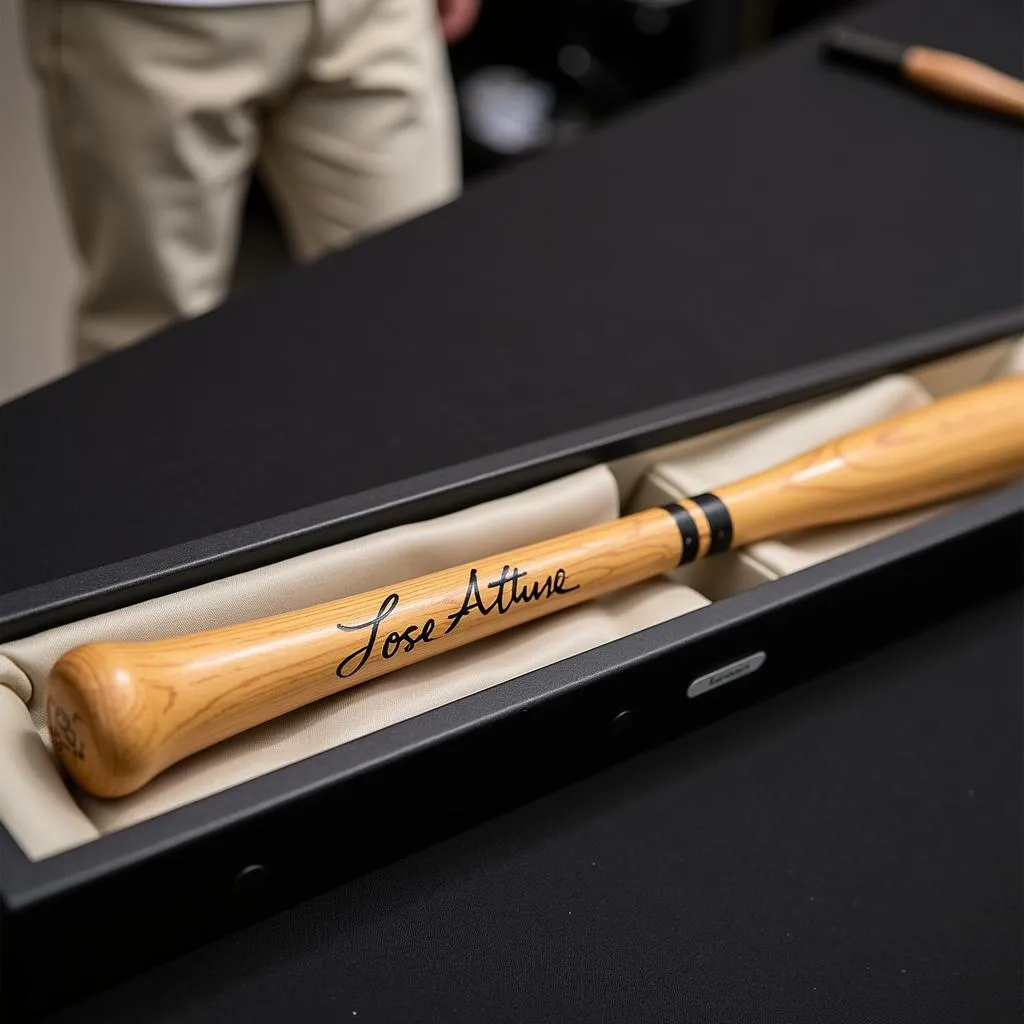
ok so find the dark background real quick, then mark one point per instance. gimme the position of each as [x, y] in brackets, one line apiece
[637, 49]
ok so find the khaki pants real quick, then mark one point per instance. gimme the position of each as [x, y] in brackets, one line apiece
[158, 115]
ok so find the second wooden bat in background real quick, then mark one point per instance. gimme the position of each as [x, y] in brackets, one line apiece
[120, 713]
[951, 75]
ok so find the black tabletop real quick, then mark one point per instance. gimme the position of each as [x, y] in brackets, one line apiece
[850, 850]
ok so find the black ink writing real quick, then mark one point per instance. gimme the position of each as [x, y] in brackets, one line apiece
[63, 733]
[393, 642]
[510, 590]
[509, 593]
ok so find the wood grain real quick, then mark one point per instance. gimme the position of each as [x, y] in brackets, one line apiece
[120, 713]
[964, 80]
[700, 520]
[954, 446]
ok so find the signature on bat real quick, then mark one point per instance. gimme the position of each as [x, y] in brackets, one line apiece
[63, 733]
[509, 589]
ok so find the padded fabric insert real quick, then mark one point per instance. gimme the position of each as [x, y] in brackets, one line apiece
[35, 805]
[1011, 362]
[976, 365]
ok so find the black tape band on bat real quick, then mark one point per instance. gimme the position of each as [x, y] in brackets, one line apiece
[687, 531]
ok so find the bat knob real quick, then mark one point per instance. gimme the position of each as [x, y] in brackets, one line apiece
[99, 723]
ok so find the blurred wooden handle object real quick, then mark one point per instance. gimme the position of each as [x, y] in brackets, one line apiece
[947, 74]
[120, 713]
[964, 80]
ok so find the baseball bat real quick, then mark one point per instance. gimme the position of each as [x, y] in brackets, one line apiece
[120, 713]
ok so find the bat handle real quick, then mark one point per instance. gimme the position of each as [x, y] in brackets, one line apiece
[952, 446]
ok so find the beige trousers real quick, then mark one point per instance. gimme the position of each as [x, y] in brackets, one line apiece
[158, 115]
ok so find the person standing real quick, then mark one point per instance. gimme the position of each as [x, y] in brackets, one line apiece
[159, 111]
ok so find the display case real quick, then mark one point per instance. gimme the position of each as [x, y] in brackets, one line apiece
[309, 799]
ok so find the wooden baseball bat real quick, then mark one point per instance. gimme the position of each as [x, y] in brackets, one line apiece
[120, 713]
[950, 75]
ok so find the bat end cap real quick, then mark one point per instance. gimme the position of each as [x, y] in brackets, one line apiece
[96, 752]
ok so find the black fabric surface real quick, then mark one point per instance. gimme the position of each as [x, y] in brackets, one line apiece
[780, 212]
[850, 851]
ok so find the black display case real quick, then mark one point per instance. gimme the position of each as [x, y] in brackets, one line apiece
[166, 884]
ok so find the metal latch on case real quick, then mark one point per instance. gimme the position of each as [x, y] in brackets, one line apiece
[726, 674]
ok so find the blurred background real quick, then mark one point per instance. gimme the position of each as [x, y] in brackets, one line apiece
[533, 75]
